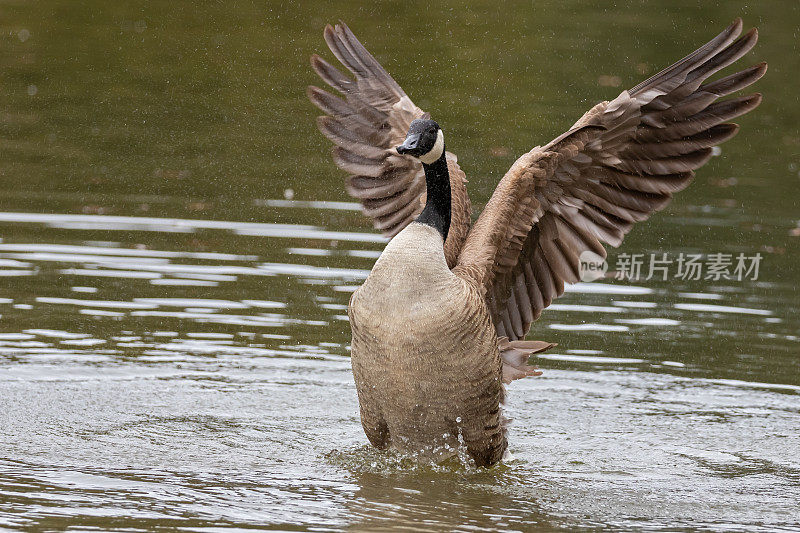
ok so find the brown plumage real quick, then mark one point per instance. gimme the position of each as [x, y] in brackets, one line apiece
[438, 325]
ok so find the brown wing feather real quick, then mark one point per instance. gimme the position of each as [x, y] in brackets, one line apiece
[619, 163]
[365, 125]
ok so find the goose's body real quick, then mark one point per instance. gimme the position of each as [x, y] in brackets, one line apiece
[425, 354]
[438, 325]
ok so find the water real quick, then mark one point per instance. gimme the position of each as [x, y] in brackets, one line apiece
[177, 254]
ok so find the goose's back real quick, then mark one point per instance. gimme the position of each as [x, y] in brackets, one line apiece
[424, 354]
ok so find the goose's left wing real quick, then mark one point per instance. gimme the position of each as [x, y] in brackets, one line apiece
[621, 161]
[365, 124]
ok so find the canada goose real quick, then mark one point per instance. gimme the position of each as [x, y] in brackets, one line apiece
[438, 324]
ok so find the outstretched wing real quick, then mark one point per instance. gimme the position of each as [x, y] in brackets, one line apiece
[622, 161]
[366, 125]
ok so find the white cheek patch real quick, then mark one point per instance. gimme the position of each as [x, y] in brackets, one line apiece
[436, 151]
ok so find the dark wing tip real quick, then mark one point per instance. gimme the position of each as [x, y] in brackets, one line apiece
[323, 100]
[733, 30]
[749, 100]
[312, 91]
[329, 34]
[751, 35]
[726, 131]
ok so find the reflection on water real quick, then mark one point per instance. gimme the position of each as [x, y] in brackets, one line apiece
[177, 253]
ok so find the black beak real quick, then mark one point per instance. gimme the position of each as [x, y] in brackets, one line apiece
[410, 145]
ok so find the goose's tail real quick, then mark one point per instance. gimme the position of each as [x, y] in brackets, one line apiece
[515, 356]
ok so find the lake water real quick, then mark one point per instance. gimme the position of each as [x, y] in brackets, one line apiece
[177, 252]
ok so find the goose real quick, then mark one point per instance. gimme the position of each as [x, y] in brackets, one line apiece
[439, 325]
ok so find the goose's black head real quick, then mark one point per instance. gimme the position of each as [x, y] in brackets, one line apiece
[424, 141]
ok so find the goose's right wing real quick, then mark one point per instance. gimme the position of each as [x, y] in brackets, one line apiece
[617, 165]
[366, 125]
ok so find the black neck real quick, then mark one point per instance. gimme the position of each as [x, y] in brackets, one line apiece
[437, 208]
